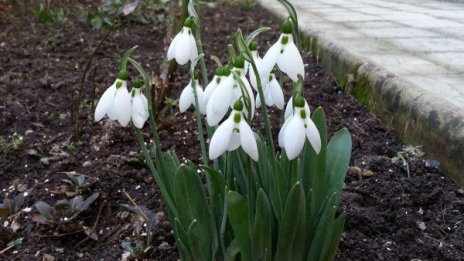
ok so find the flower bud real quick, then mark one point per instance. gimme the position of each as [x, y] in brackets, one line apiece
[253, 46]
[298, 101]
[136, 83]
[238, 105]
[123, 75]
[239, 62]
[188, 22]
[287, 26]
[219, 71]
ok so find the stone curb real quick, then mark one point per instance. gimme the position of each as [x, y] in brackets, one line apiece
[418, 117]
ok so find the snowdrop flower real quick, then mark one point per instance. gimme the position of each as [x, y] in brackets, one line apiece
[139, 110]
[183, 47]
[273, 94]
[296, 129]
[115, 101]
[218, 76]
[233, 133]
[263, 75]
[285, 54]
[227, 93]
[187, 97]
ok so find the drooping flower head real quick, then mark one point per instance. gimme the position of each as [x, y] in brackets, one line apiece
[183, 47]
[297, 128]
[214, 83]
[139, 109]
[263, 74]
[273, 94]
[285, 53]
[228, 91]
[233, 133]
[115, 101]
[187, 97]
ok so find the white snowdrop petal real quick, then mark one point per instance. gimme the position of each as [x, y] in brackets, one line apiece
[268, 96]
[313, 135]
[258, 101]
[105, 102]
[172, 48]
[234, 142]
[145, 104]
[193, 47]
[294, 137]
[289, 108]
[210, 88]
[221, 138]
[290, 62]
[219, 102]
[248, 141]
[201, 99]
[282, 133]
[270, 58]
[276, 93]
[139, 115]
[186, 98]
[183, 48]
[123, 106]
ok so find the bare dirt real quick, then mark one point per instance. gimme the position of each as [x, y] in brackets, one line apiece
[390, 216]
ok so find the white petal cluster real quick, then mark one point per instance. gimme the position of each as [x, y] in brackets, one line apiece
[231, 134]
[297, 128]
[212, 86]
[263, 75]
[285, 54]
[224, 96]
[187, 97]
[273, 94]
[183, 47]
[118, 104]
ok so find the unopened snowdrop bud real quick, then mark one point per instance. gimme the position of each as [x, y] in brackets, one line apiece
[239, 62]
[273, 94]
[297, 128]
[183, 47]
[233, 133]
[285, 53]
[187, 97]
[213, 84]
[107, 103]
[139, 108]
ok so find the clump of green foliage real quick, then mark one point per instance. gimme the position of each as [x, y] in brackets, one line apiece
[45, 14]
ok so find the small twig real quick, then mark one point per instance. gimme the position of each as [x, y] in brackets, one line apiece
[6, 249]
[92, 105]
[137, 206]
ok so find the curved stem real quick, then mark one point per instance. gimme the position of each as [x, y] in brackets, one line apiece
[199, 124]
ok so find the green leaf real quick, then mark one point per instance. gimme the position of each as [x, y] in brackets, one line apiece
[290, 242]
[218, 184]
[242, 47]
[332, 246]
[125, 57]
[216, 60]
[261, 235]
[255, 33]
[192, 205]
[182, 241]
[238, 217]
[338, 159]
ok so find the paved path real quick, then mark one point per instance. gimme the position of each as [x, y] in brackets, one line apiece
[412, 47]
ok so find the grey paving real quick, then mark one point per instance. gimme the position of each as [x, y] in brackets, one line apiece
[412, 53]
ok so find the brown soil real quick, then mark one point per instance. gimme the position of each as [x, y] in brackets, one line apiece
[390, 216]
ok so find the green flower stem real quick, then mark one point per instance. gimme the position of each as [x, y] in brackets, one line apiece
[267, 123]
[146, 80]
[154, 172]
[199, 124]
[204, 73]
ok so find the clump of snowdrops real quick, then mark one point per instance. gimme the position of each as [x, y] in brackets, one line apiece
[255, 202]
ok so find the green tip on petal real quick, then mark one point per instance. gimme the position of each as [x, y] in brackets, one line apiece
[287, 27]
[238, 105]
[237, 117]
[303, 114]
[118, 84]
[284, 40]
[188, 22]
[239, 62]
[219, 71]
[136, 83]
[123, 75]
[253, 46]
[298, 101]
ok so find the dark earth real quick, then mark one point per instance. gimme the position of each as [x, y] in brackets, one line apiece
[390, 216]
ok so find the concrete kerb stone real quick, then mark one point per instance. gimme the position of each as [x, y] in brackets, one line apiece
[419, 118]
